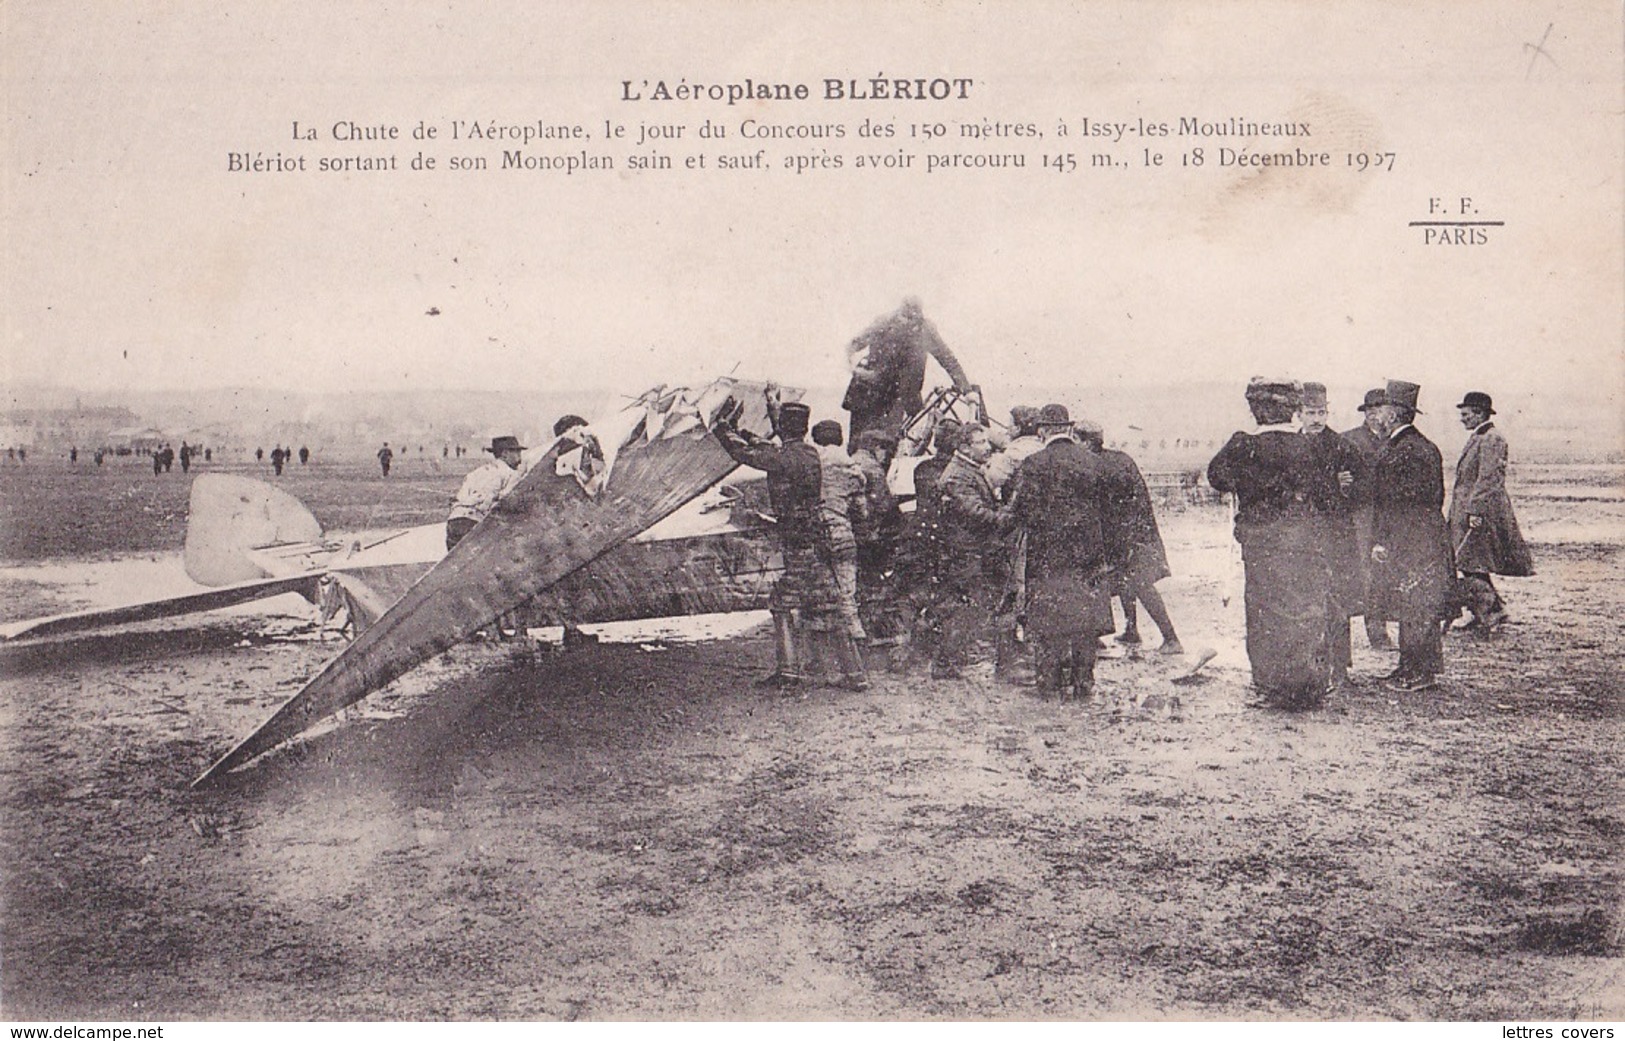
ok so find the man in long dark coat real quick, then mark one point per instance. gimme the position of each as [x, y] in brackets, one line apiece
[1483, 529]
[888, 369]
[1058, 500]
[1273, 474]
[1133, 540]
[1413, 572]
[808, 586]
[1368, 439]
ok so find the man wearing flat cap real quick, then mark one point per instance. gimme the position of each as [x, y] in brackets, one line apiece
[1274, 476]
[806, 600]
[1368, 439]
[1483, 529]
[1413, 577]
[483, 487]
[1058, 500]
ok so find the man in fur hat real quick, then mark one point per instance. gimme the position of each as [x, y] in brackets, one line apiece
[1274, 475]
[1483, 529]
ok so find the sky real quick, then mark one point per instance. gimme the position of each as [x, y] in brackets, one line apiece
[136, 259]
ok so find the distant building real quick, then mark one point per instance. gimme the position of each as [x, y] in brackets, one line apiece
[136, 440]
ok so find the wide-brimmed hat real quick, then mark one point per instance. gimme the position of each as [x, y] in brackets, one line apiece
[505, 443]
[1374, 397]
[1054, 416]
[1403, 394]
[1476, 399]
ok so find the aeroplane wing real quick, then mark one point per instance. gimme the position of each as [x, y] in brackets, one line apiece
[208, 600]
[659, 453]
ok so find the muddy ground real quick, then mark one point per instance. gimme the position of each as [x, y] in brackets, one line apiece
[633, 831]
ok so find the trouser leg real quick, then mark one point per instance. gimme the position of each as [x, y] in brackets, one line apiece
[1131, 617]
[1050, 659]
[846, 580]
[1376, 630]
[1158, 611]
[1006, 651]
[1083, 666]
[1342, 645]
[966, 617]
[1421, 648]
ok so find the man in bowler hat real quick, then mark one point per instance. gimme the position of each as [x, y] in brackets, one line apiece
[1483, 529]
[1058, 499]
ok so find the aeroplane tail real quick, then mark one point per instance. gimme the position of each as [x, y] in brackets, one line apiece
[228, 516]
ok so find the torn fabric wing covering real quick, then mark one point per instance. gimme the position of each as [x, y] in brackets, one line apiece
[545, 529]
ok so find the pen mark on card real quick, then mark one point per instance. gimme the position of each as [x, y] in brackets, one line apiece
[1538, 51]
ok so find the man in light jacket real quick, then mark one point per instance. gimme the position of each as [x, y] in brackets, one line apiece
[1483, 529]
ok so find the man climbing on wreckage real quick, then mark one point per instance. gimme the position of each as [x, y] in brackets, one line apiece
[807, 592]
[888, 370]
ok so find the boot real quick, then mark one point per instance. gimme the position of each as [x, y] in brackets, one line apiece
[844, 653]
[787, 662]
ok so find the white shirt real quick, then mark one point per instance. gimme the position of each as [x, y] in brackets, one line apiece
[482, 488]
[1004, 465]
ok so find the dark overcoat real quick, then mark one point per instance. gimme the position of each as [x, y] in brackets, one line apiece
[1276, 477]
[1337, 507]
[1368, 445]
[1407, 496]
[1058, 500]
[1133, 540]
[973, 527]
[1496, 546]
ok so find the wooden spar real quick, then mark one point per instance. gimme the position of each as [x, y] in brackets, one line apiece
[545, 529]
[211, 600]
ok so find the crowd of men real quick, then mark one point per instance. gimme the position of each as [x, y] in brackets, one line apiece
[1337, 525]
[1022, 537]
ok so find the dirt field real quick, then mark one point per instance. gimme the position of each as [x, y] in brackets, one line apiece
[633, 831]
